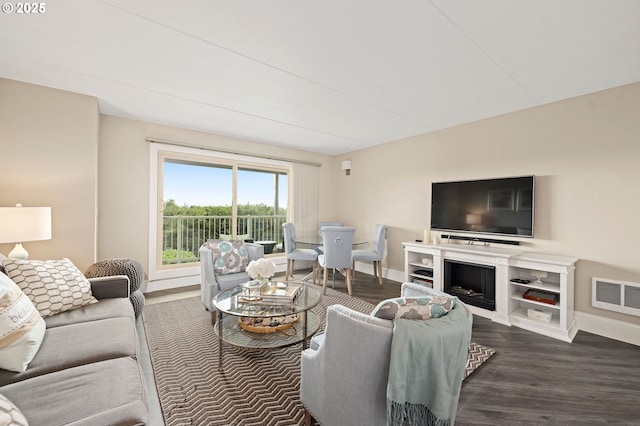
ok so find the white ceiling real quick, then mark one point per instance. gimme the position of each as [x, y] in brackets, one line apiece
[329, 76]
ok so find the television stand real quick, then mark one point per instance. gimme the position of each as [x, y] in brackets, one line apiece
[515, 271]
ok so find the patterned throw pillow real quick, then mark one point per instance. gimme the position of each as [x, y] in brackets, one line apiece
[21, 327]
[53, 286]
[414, 308]
[10, 415]
[229, 257]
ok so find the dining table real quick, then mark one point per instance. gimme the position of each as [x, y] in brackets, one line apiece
[316, 243]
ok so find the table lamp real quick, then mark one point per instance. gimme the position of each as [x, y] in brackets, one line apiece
[19, 224]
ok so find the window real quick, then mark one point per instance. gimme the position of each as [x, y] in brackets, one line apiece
[201, 195]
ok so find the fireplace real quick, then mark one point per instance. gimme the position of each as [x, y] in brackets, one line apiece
[474, 284]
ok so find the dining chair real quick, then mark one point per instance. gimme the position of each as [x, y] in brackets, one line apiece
[318, 248]
[292, 253]
[323, 224]
[337, 244]
[374, 255]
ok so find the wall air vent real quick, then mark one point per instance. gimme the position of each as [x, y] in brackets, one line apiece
[619, 296]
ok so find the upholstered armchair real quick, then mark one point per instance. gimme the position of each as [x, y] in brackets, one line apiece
[212, 282]
[344, 372]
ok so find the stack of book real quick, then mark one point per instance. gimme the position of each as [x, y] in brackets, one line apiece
[280, 293]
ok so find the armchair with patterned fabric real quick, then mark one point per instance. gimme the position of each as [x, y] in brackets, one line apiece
[223, 266]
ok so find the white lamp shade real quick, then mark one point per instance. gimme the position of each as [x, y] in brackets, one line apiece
[346, 165]
[20, 224]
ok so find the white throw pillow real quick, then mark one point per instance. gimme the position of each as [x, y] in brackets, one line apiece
[10, 415]
[53, 286]
[21, 327]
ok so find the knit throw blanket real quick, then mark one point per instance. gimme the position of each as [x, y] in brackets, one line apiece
[428, 359]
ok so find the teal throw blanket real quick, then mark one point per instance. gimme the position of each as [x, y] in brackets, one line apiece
[428, 359]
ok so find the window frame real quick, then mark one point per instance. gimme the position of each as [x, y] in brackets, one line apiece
[189, 273]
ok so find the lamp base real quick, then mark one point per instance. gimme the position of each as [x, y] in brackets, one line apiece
[19, 252]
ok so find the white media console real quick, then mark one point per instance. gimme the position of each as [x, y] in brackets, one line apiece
[511, 308]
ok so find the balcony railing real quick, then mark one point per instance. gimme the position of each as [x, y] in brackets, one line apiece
[182, 236]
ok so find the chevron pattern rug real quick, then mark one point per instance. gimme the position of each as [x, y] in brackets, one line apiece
[255, 388]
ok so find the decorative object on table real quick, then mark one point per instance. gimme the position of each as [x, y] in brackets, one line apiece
[251, 291]
[280, 293]
[19, 224]
[122, 266]
[268, 324]
[539, 275]
[261, 270]
[541, 296]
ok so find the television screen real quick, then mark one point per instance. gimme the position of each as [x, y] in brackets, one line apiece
[503, 206]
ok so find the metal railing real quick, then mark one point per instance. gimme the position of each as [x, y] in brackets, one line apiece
[182, 236]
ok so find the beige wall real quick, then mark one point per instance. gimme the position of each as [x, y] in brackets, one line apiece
[123, 229]
[585, 153]
[49, 141]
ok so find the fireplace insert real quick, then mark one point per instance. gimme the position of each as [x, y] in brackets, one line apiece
[474, 284]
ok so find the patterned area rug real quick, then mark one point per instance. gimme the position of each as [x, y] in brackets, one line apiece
[255, 388]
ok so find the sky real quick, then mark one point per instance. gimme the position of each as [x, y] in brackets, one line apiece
[211, 186]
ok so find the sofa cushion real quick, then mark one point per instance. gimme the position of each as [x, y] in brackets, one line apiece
[105, 392]
[106, 308]
[53, 286]
[21, 327]
[77, 344]
[414, 308]
[229, 281]
[10, 414]
[229, 257]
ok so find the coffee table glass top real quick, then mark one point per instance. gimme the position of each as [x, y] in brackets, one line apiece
[231, 302]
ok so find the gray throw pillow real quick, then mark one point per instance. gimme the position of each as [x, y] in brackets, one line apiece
[414, 308]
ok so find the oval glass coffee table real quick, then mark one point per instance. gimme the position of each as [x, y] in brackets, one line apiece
[231, 305]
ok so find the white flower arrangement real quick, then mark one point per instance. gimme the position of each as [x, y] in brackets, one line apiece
[261, 269]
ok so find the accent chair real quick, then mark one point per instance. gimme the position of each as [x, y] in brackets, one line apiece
[293, 253]
[374, 255]
[344, 372]
[337, 243]
[215, 273]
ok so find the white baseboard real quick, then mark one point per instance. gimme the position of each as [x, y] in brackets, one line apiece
[606, 327]
[389, 274]
[171, 283]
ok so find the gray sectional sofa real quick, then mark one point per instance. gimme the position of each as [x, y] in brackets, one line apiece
[86, 371]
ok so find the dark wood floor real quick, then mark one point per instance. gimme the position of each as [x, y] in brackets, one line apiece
[537, 380]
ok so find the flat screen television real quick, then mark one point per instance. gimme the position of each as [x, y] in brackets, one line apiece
[502, 206]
